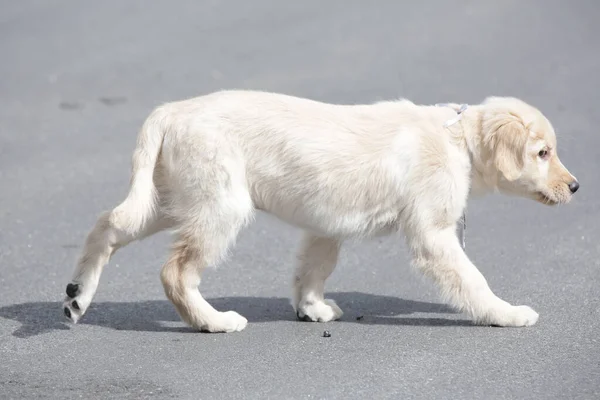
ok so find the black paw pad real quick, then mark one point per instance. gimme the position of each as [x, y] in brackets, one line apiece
[305, 318]
[75, 305]
[72, 289]
[67, 312]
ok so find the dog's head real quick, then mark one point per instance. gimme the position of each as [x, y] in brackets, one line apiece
[520, 150]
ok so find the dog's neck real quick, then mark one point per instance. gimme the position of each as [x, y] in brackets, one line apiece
[470, 124]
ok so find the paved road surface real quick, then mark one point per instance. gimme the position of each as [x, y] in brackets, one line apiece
[78, 78]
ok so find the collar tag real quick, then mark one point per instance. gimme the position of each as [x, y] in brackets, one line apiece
[462, 231]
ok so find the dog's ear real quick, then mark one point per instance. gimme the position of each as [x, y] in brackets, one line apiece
[506, 138]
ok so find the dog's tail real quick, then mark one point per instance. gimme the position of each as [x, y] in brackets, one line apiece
[140, 205]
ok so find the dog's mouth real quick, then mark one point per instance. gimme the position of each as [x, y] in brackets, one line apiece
[545, 199]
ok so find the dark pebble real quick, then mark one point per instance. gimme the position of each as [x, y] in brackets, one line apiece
[359, 317]
[326, 334]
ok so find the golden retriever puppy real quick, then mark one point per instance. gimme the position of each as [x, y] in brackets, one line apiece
[202, 167]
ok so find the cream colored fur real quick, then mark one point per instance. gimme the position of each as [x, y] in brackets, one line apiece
[203, 166]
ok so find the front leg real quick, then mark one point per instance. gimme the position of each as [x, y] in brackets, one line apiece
[316, 261]
[438, 254]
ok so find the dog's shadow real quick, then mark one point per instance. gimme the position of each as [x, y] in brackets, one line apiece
[156, 316]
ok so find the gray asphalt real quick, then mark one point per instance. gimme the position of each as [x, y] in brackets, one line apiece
[78, 78]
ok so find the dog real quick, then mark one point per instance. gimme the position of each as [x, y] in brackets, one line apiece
[203, 166]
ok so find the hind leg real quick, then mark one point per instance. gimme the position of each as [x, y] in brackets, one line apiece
[194, 250]
[316, 261]
[104, 239]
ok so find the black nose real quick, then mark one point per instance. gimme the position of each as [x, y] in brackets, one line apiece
[573, 186]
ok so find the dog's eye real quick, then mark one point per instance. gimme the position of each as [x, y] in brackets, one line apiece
[543, 153]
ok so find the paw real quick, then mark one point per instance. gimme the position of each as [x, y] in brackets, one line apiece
[228, 321]
[524, 316]
[320, 311]
[514, 316]
[76, 302]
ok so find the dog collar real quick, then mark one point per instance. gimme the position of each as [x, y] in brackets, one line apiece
[462, 225]
[458, 117]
